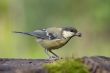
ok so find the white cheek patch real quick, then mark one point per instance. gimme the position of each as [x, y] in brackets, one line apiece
[67, 34]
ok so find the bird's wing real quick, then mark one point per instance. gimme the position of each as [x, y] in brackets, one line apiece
[48, 34]
[55, 33]
[43, 34]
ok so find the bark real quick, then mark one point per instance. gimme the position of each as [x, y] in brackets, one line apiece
[96, 64]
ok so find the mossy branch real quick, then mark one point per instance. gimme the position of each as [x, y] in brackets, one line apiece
[97, 64]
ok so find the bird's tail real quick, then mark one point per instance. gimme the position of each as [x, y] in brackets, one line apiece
[26, 33]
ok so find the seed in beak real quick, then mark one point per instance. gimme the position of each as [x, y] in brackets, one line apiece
[78, 34]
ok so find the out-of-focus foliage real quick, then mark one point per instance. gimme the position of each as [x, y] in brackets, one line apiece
[89, 17]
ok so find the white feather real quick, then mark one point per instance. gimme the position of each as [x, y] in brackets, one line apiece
[67, 34]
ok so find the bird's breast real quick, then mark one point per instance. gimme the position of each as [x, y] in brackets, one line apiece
[53, 44]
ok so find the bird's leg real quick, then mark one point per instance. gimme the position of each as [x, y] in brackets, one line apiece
[46, 51]
[56, 56]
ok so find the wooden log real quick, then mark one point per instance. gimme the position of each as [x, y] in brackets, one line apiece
[97, 64]
[22, 65]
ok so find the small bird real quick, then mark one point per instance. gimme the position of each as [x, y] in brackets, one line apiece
[53, 37]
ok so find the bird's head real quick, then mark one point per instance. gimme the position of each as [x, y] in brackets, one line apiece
[69, 32]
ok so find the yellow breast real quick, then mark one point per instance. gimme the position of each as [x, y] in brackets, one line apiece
[53, 44]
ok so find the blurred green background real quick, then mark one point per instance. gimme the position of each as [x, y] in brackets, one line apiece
[90, 17]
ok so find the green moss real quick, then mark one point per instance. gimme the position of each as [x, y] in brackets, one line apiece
[66, 66]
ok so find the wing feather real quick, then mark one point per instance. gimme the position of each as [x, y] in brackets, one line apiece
[43, 34]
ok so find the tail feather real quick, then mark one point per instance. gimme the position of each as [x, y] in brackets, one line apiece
[26, 33]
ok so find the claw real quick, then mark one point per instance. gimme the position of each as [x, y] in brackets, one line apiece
[54, 58]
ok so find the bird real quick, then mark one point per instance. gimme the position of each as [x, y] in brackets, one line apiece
[52, 38]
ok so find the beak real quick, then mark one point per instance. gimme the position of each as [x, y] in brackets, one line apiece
[78, 34]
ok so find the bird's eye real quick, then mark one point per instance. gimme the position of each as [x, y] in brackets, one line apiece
[75, 31]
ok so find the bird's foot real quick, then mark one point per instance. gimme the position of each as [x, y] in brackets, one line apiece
[54, 58]
[51, 59]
